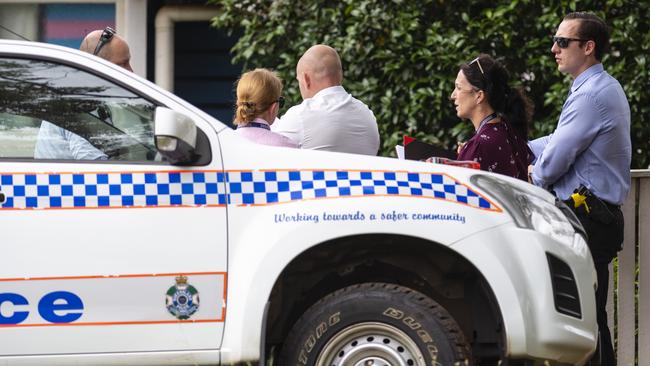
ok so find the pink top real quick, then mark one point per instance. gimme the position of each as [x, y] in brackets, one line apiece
[259, 131]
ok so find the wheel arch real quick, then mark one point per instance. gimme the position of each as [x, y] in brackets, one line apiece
[429, 267]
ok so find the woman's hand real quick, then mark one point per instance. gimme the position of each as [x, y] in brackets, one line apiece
[460, 146]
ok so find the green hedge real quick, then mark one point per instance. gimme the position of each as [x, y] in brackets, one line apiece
[401, 57]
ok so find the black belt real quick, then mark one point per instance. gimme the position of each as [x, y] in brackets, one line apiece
[611, 206]
[584, 202]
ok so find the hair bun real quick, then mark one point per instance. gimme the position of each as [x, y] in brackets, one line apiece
[257, 90]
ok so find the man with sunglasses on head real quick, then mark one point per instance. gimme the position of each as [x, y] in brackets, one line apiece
[109, 46]
[329, 118]
[586, 161]
[55, 142]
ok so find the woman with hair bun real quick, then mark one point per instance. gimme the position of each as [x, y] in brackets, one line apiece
[500, 115]
[259, 98]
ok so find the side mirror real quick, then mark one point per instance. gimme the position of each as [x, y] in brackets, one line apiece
[175, 136]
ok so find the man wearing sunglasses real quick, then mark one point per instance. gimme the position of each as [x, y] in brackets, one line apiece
[586, 161]
[55, 142]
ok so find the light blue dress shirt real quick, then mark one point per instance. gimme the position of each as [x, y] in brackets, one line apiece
[54, 142]
[591, 144]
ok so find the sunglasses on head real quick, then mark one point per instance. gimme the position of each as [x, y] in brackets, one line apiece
[280, 101]
[106, 37]
[563, 42]
[478, 62]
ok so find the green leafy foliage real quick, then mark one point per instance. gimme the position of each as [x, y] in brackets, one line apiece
[401, 57]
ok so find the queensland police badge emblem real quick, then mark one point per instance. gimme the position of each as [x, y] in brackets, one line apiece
[182, 299]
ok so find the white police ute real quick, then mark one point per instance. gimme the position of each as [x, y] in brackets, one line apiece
[137, 230]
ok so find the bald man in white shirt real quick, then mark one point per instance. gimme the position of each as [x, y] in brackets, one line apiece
[329, 118]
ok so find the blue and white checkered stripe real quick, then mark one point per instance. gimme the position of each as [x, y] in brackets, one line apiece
[105, 190]
[259, 187]
[160, 189]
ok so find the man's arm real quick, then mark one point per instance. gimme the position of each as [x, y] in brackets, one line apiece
[579, 124]
[290, 125]
[81, 149]
[538, 145]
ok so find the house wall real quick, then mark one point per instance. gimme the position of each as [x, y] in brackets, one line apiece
[191, 58]
[203, 71]
[195, 62]
[67, 22]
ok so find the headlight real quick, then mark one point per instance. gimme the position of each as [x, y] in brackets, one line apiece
[533, 212]
[546, 218]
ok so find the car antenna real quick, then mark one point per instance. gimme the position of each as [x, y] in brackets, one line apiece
[14, 33]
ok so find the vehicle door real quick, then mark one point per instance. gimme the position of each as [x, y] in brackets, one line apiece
[105, 247]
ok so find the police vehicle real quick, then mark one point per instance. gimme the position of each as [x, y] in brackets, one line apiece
[188, 245]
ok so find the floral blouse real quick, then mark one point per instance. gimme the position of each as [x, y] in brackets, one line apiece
[498, 149]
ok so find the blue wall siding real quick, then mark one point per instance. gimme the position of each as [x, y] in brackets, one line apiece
[68, 24]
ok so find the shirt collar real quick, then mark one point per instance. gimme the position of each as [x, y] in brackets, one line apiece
[328, 91]
[259, 120]
[591, 71]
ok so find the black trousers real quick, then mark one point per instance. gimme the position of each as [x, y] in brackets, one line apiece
[605, 240]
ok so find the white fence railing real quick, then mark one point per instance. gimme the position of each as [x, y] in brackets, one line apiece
[629, 297]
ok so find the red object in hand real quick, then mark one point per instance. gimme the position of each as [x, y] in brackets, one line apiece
[407, 140]
[462, 163]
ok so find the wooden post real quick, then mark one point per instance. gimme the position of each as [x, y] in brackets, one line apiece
[626, 286]
[644, 274]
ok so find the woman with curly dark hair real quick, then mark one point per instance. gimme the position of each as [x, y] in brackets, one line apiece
[500, 115]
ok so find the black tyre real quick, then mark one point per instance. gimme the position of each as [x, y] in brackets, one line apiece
[375, 324]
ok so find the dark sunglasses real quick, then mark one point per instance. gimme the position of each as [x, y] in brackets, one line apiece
[106, 37]
[280, 101]
[563, 42]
